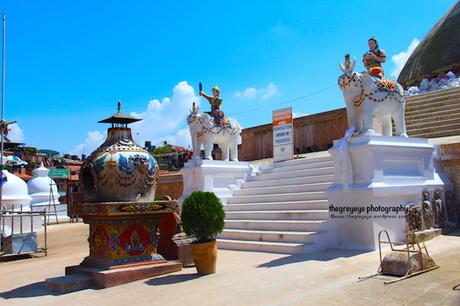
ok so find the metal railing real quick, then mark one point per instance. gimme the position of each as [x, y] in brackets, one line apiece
[8, 218]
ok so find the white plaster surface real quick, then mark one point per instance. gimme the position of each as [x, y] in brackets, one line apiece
[386, 174]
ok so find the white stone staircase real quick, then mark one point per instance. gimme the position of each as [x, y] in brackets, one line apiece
[434, 114]
[282, 210]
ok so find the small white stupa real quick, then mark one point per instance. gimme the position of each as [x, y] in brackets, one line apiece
[43, 191]
[40, 187]
[15, 198]
[14, 193]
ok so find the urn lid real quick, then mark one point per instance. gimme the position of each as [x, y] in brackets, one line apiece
[120, 118]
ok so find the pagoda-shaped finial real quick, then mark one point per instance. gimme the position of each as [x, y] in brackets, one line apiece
[194, 108]
[119, 118]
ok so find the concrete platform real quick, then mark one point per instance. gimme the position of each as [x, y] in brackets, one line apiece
[69, 283]
[114, 277]
[242, 278]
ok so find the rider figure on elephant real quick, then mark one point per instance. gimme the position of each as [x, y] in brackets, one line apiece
[216, 103]
[374, 58]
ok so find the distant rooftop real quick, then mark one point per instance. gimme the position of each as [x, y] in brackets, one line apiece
[8, 144]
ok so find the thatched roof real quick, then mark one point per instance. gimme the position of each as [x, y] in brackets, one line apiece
[437, 53]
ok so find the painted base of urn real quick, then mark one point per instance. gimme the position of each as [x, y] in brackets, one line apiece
[83, 277]
[125, 274]
[123, 245]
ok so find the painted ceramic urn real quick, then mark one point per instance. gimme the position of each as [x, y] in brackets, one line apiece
[119, 170]
[127, 226]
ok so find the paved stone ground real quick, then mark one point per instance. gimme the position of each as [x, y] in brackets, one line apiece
[243, 278]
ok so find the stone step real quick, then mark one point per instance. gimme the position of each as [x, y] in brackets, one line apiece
[411, 104]
[294, 173]
[291, 205]
[303, 161]
[430, 129]
[280, 197]
[320, 164]
[447, 116]
[283, 209]
[435, 122]
[69, 283]
[429, 115]
[305, 214]
[438, 106]
[435, 134]
[328, 178]
[447, 104]
[261, 246]
[281, 189]
[277, 225]
[267, 236]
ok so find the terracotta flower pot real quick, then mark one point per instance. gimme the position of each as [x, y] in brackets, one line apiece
[205, 257]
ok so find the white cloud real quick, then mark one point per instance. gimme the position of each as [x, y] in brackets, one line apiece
[400, 59]
[270, 92]
[249, 93]
[263, 94]
[180, 138]
[93, 140]
[162, 120]
[15, 134]
[166, 120]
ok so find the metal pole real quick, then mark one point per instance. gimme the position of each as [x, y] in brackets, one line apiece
[46, 234]
[3, 103]
[3, 81]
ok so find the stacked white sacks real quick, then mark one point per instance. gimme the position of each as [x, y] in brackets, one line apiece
[428, 85]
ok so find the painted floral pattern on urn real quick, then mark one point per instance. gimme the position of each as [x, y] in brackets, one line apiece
[120, 170]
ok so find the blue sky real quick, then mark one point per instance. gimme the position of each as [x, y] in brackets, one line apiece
[68, 62]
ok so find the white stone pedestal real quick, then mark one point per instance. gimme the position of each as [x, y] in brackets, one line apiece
[220, 177]
[375, 178]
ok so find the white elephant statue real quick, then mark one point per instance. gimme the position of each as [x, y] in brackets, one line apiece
[204, 132]
[367, 97]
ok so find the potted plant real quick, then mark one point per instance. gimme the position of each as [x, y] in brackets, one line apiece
[203, 218]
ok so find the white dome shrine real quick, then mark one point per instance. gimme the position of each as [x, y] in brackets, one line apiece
[39, 186]
[14, 191]
[15, 197]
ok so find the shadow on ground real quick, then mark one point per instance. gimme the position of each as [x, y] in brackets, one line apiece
[320, 256]
[172, 279]
[6, 258]
[27, 291]
[454, 233]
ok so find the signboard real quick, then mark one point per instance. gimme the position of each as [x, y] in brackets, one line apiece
[283, 137]
[59, 173]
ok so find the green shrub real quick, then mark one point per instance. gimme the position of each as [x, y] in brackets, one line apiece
[202, 216]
